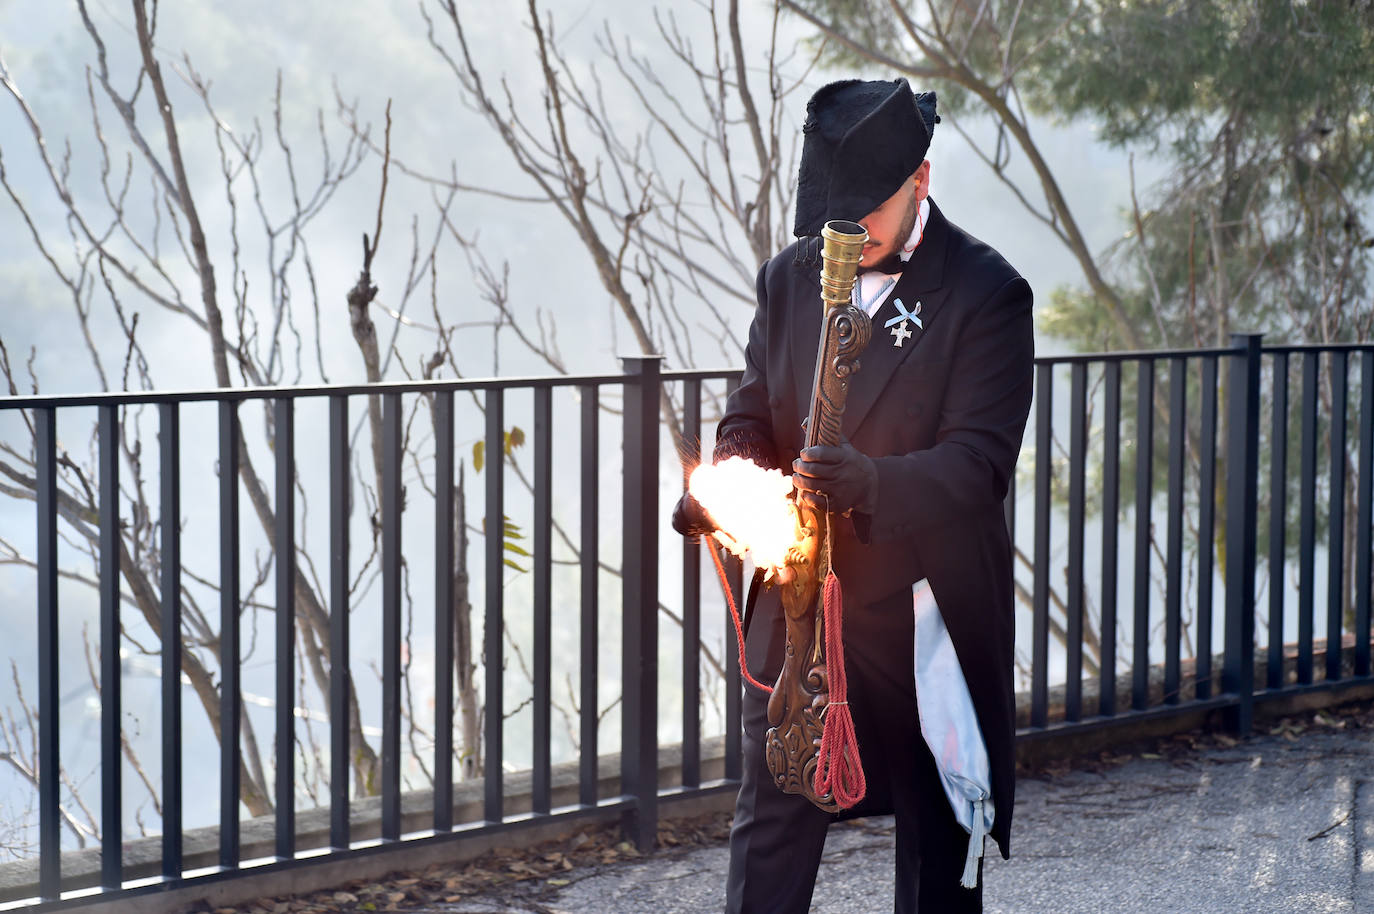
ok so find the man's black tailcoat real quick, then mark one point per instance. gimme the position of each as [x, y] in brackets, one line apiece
[942, 415]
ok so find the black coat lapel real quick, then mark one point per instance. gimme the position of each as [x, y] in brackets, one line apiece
[805, 337]
[921, 285]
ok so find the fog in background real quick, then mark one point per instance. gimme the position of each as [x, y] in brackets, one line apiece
[378, 51]
[374, 52]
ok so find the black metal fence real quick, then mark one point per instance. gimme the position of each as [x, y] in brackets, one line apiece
[1227, 483]
[1219, 507]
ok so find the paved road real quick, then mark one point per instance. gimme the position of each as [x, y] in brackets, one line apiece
[1275, 824]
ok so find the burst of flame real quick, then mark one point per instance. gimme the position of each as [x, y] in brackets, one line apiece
[751, 507]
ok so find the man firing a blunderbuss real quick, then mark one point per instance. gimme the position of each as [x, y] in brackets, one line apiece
[912, 496]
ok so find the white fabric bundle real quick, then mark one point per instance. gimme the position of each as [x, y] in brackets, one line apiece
[950, 726]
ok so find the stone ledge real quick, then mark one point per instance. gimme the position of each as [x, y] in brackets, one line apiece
[200, 846]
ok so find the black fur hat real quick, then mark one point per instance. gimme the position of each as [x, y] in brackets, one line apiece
[861, 140]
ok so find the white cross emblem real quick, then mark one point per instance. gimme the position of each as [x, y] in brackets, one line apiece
[900, 332]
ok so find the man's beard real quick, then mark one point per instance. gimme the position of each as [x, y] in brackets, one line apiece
[892, 263]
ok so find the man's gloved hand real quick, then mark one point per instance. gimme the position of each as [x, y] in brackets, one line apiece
[838, 479]
[690, 518]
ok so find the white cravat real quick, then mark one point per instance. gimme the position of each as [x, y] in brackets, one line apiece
[873, 287]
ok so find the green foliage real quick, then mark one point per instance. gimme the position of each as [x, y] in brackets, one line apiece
[1263, 111]
[512, 533]
[510, 530]
[1149, 70]
[511, 440]
[975, 30]
[1072, 313]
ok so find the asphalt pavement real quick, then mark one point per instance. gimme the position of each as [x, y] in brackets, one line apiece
[1282, 822]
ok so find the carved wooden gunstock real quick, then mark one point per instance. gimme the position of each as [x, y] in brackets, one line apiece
[797, 706]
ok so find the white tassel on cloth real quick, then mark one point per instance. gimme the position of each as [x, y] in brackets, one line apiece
[975, 847]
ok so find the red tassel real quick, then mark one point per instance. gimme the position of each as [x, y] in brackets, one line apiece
[844, 779]
[839, 771]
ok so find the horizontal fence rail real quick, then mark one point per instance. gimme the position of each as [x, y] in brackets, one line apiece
[1191, 531]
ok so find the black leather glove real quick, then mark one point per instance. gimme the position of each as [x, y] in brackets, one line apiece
[690, 518]
[839, 479]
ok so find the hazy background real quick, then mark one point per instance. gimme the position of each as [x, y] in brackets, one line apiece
[372, 52]
[375, 52]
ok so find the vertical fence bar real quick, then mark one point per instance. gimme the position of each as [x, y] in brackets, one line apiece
[111, 759]
[339, 755]
[1364, 514]
[734, 684]
[639, 686]
[1278, 520]
[444, 536]
[494, 527]
[1242, 481]
[230, 706]
[1307, 517]
[591, 556]
[1335, 531]
[49, 700]
[1206, 526]
[1111, 507]
[1040, 597]
[1144, 471]
[391, 616]
[542, 784]
[1078, 435]
[169, 506]
[1173, 563]
[691, 601]
[284, 422]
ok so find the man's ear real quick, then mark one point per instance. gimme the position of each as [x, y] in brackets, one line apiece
[921, 176]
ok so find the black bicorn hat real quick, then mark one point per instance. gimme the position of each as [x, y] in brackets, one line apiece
[861, 140]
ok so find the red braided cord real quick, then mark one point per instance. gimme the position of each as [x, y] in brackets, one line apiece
[734, 614]
[838, 768]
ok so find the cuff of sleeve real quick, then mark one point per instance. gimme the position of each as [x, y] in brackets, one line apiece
[744, 444]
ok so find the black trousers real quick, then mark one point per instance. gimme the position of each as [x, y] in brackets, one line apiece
[777, 839]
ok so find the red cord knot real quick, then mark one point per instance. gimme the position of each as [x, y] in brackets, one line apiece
[839, 771]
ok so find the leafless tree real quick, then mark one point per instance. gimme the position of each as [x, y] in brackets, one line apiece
[676, 215]
[138, 250]
[675, 212]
